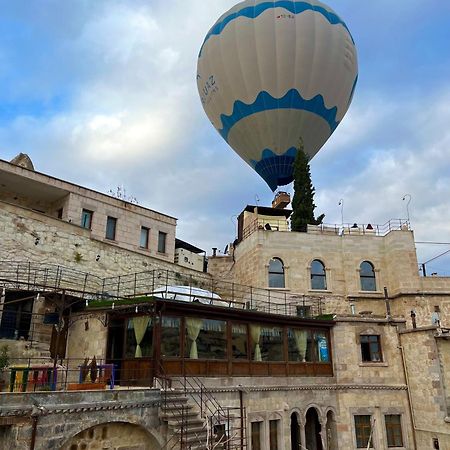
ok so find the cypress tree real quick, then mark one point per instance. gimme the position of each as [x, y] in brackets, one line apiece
[303, 202]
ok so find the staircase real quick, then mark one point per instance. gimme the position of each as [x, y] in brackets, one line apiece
[184, 427]
[193, 419]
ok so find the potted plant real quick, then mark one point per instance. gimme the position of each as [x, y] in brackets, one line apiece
[4, 363]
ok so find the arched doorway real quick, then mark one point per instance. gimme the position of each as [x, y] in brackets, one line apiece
[112, 435]
[295, 432]
[313, 430]
[331, 431]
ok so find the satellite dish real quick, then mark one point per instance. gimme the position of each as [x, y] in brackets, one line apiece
[272, 74]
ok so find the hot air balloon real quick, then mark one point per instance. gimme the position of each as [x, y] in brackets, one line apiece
[273, 73]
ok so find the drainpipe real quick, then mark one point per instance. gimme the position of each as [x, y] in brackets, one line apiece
[34, 422]
[405, 374]
[36, 412]
[241, 406]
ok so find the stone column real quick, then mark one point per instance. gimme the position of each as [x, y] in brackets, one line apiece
[302, 424]
[2, 302]
[323, 432]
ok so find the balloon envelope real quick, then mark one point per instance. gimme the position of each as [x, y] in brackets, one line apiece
[271, 74]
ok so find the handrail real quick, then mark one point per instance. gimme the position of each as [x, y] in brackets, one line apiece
[40, 277]
[210, 407]
[271, 225]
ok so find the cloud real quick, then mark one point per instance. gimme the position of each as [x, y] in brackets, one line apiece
[104, 94]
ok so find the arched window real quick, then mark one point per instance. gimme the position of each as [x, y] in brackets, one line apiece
[276, 273]
[367, 276]
[318, 275]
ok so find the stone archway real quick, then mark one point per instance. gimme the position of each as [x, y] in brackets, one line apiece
[295, 432]
[331, 431]
[112, 435]
[313, 430]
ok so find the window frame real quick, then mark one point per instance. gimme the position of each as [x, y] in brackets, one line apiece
[362, 432]
[365, 277]
[321, 276]
[147, 238]
[162, 248]
[271, 273]
[274, 438]
[89, 214]
[398, 426]
[369, 348]
[109, 220]
[260, 434]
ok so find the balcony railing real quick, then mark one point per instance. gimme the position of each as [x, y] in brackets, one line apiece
[337, 229]
[164, 284]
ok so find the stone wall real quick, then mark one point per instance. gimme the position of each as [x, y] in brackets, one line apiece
[81, 420]
[426, 383]
[30, 236]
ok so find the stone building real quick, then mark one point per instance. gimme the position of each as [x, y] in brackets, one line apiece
[292, 341]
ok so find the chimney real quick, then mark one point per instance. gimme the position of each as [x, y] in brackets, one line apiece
[281, 200]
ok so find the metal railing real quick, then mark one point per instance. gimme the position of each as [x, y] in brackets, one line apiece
[163, 284]
[233, 419]
[338, 229]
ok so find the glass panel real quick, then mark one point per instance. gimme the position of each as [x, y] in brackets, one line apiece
[368, 283]
[367, 276]
[366, 269]
[144, 237]
[170, 337]
[394, 430]
[111, 228]
[86, 219]
[276, 273]
[318, 275]
[273, 439]
[162, 242]
[211, 341]
[256, 435]
[239, 341]
[370, 348]
[311, 348]
[271, 344]
[297, 344]
[362, 430]
[146, 343]
[322, 347]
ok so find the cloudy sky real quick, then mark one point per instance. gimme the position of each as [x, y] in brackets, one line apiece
[103, 93]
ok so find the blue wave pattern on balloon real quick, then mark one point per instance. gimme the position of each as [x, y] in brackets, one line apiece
[252, 12]
[265, 102]
[276, 170]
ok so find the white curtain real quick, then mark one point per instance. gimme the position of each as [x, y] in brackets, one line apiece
[140, 325]
[301, 343]
[193, 327]
[255, 333]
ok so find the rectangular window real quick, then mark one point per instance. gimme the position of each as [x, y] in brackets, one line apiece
[239, 341]
[297, 344]
[256, 435]
[394, 430]
[363, 427]
[162, 242]
[271, 344]
[86, 219]
[206, 338]
[111, 223]
[60, 213]
[221, 437]
[371, 348]
[170, 337]
[273, 436]
[139, 338]
[145, 235]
